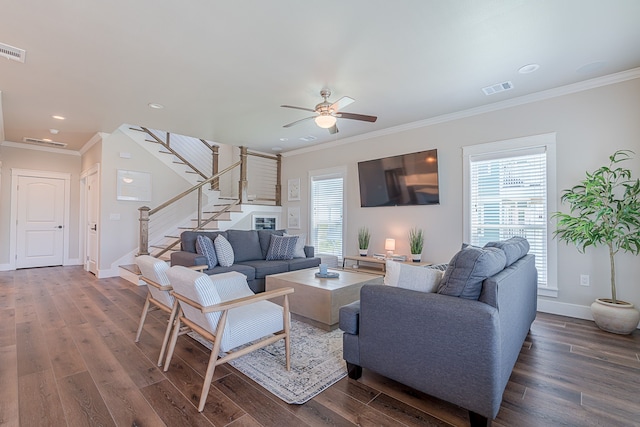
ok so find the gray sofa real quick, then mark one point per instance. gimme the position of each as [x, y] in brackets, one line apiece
[250, 249]
[455, 348]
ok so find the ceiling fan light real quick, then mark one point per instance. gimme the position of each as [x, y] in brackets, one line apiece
[325, 122]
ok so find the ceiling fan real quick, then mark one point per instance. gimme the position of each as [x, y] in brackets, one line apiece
[327, 113]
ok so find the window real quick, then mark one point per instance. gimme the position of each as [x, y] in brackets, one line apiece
[327, 208]
[508, 192]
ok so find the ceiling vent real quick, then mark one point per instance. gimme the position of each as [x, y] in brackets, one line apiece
[308, 138]
[43, 142]
[500, 87]
[11, 52]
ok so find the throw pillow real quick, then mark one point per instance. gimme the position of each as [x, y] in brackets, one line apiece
[204, 246]
[514, 248]
[468, 269]
[224, 251]
[416, 278]
[281, 247]
[298, 252]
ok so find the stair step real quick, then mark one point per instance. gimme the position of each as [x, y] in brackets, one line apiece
[133, 268]
[165, 152]
[164, 247]
[179, 163]
[191, 172]
[172, 237]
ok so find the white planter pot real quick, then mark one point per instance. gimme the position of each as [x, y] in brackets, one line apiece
[620, 318]
[416, 257]
[363, 252]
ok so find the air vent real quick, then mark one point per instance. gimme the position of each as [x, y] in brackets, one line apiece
[308, 138]
[43, 142]
[500, 87]
[11, 52]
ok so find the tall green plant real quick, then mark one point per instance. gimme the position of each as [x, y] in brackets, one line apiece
[363, 238]
[605, 210]
[416, 240]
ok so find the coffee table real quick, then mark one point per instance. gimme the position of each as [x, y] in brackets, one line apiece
[316, 300]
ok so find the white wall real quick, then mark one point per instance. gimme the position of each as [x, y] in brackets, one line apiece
[590, 125]
[42, 159]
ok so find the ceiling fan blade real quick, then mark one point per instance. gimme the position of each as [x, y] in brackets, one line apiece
[333, 129]
[297, 121]
[362, 117]
[341, 103]
[298, 108]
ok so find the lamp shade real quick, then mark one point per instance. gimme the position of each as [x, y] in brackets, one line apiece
[390, 244]
[325, 121]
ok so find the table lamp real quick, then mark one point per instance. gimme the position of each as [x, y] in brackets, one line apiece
[390, 246]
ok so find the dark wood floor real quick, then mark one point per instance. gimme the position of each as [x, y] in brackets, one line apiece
[67, 357]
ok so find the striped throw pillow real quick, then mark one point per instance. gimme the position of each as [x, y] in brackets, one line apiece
[224, 251]
[281, 247]
[204, 246]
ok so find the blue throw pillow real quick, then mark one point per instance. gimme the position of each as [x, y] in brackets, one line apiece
[281, 247]
[224, 251]
[204, 246]
[514, 248]
[468, 269]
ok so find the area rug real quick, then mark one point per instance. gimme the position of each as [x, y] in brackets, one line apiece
[316, 363]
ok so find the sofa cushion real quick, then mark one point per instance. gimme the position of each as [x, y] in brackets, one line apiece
[350, 317]
[264, 268]
[281, 247]
[188, 238]
[265, 240]
[245, 244]
[468, 269]
[204, 246]
[298, 252]
[224, 251]
[301, 263]
[416, 278]
[248, 271]
[514, 248]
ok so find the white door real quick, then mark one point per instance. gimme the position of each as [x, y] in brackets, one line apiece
[40, 221]
[93, 192]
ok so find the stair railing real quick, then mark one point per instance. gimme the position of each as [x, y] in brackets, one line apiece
[146, 212]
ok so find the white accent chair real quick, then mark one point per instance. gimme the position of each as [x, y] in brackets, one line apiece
[223, 309]
[159, 296]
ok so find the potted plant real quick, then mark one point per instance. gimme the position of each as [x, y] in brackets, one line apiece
[363, 240]
[416, 241]
[605, 210]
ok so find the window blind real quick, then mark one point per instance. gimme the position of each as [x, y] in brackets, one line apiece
[327, 214]
[508, 194]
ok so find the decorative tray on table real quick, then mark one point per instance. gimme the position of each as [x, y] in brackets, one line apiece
[329, 275]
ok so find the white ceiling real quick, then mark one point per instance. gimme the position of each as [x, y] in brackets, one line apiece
[223, 68]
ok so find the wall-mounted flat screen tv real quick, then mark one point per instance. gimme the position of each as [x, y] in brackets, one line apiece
[408, 179]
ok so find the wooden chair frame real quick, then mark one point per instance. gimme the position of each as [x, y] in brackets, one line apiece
[152, 304]
[224, 307]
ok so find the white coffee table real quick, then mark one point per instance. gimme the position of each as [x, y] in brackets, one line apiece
[317, 300]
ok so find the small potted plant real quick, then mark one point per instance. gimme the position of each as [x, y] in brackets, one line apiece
[605, 210]
[416, 241]
[363, 240]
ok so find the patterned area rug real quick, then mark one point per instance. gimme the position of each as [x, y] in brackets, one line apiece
[316, 363]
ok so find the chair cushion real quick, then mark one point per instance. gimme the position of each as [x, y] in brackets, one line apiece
[514, 248]
[281, 247]
[407, 276]
[298, 252]
[245, 244]
[156, 270]
[468, 269]
[224, 251]
[204, 246]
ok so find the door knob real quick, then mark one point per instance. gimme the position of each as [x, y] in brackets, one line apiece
[95, 227]
[57, 226]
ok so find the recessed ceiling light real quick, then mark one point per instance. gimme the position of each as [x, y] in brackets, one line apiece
[54, 131]
[284, 139]
[156, 106]
[529, 68]
[59, 117]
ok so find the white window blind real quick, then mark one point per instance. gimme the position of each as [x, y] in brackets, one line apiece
[508, 197]
[327, 193]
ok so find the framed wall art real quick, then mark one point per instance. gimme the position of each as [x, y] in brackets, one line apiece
[293, 189]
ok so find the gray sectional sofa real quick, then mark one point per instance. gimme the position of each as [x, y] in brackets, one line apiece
[250, 249]
[458, 344]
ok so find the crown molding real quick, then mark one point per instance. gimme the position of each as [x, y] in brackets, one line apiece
[99, 136]
[510, 103]
[38, 148]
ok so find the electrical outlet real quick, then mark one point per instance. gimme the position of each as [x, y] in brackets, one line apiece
[584, 280]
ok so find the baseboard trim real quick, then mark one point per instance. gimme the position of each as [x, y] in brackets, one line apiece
[6, 267]
[564, 309]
